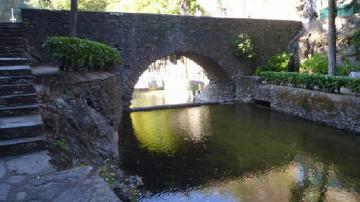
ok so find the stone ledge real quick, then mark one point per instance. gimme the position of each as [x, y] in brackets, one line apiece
[43, 72]
[340, 111]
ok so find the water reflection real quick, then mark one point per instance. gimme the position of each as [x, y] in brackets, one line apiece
[238, 153]
[142, 98]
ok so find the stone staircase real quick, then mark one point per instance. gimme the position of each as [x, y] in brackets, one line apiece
[21, 126]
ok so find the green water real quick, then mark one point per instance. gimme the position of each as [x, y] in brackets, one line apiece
[238, 153]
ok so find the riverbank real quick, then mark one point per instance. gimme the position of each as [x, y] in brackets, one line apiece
[339, 111]
[82, 112]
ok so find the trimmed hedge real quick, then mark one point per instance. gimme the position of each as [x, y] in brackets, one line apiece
[77, 54]
[312, 81]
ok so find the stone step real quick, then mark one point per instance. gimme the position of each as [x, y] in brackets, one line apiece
[11, 31]
[13, 80]
[21, 110]
[12, 48]
[11, 38]
[5, 24]
[22, 145]
[15, 70]
[11, 28]
[7, 47]
[15, 67]
[11, 43]
[14, 31]
[10, 24]
[20, 127]
[7, 34]
[18, 100]
[13, 61]
[12, 53]
[16, 89]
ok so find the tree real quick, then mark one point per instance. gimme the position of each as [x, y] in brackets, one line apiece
[88, 5]
[135, 6]
[331, 38]
[73, 17]
[159, 6]
[307, 9]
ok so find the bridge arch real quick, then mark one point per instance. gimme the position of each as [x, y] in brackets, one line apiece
[220, 89]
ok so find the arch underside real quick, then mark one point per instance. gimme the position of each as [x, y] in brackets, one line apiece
[220, 88]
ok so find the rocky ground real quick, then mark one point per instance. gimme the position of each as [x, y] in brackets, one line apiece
[30, 177]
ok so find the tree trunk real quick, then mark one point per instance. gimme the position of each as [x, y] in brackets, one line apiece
[73, 18]
[332, 37]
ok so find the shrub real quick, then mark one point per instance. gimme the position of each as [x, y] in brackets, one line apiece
[346, 68]
[277, 63]
[311, 81]
[355, 38]
[77, 54]
[317, 64]
[243, 47]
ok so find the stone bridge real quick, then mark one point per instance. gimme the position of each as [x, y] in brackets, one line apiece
[145, 38]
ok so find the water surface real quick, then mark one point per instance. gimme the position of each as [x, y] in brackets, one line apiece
[238, 153]
[150, 98]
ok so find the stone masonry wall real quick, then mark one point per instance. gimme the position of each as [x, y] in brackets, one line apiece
[144, 38]
[82, 114]
[335, 110]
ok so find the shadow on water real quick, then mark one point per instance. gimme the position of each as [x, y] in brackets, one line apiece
[238, 152]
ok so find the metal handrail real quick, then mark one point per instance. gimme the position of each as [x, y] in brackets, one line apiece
[10, 15]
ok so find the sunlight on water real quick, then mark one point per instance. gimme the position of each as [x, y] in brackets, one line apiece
[238, 153]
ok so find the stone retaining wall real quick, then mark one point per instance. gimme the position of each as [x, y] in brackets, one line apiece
[335, 110]
[82, 114]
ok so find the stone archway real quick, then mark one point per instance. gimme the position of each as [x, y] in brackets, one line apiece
[220, 89]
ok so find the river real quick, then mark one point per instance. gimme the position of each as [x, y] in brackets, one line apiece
[238, 153]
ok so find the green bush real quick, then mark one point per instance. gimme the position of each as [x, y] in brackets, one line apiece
[77, 54]
[312, 81]
[243, 47]
[346, 68]
[317, 64]
[277, 63]
[355, 38]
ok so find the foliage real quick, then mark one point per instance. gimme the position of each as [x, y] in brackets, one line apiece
[136, 6]
[346, 68]
[80, 54]
[243, 46]
[316, 64]
[312, 81]
[306, 9]
[88, 5]
[277, 63]
[62, 143]
[355, 39]
[161, 6]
